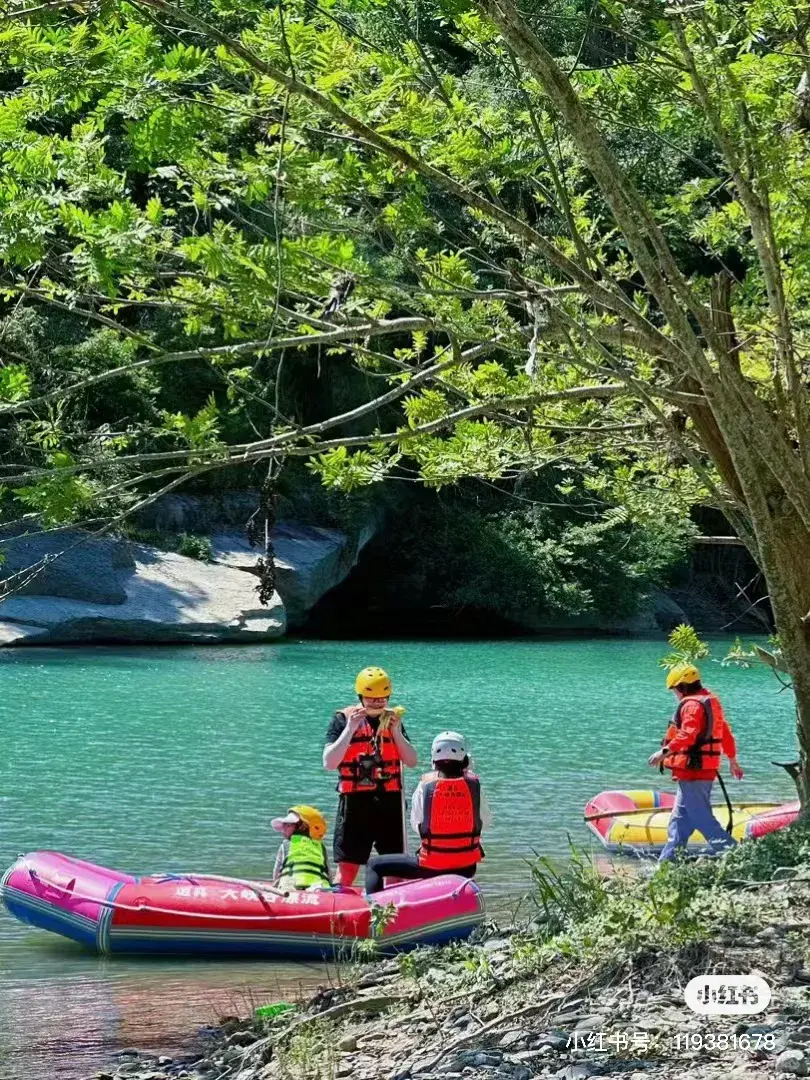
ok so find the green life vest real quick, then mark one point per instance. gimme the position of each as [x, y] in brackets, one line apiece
[305, 864]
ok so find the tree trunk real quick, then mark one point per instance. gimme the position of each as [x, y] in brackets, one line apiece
[784, 549]
[783, 554]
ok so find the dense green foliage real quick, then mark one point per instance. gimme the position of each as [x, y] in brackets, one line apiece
[149, 189]
[423, 239]
[534, 557]
[157, 198]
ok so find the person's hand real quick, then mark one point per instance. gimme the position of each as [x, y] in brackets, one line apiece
[736, 771]
[392, 718]
[355, 722]
[657, 757]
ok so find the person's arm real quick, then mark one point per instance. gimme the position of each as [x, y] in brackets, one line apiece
[693, 719]
[486, 812]
[417, 807]
[281, 855]
[407, 753]
[338, 738]
[729, 745]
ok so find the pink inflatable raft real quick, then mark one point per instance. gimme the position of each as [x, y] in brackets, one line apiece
[636, 821]
[201, 914]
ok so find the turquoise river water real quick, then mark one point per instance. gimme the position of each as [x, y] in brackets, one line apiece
[151, 760]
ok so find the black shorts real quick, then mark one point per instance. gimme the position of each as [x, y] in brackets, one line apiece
[365, 820]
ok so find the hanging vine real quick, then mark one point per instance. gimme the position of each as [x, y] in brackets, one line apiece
[259, 530]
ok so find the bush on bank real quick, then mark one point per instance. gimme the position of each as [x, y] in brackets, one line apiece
[589, 918]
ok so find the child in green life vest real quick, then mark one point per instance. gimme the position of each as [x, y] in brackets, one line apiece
[301, 862]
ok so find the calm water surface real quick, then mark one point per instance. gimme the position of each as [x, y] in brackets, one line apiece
[152, 760]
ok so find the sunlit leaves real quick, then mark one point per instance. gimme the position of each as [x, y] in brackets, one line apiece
[473, 448]
[426, 407]
[686, 647]
[169, 186]
[344, 470]
[183, 62]
[15, 382]
[61, 497]
[200, 431]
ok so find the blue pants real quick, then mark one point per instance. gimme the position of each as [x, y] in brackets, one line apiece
[693, 810]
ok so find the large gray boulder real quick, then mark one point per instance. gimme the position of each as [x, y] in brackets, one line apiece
[159, 597]
[64, 563]
[309, 561]
[198, 513]
[657, 612]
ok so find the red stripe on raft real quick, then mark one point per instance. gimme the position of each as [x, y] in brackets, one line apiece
[208, 904]
[773, 820]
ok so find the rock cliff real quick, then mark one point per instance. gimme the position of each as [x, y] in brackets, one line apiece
[82, 589]
[69, 587]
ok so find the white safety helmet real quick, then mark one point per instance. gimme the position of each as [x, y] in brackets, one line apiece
[448, 746]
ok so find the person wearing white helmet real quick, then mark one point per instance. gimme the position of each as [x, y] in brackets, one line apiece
[449, 811]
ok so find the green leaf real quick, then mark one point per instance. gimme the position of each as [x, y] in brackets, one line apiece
[15, 382]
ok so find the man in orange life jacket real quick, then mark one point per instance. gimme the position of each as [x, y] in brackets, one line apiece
[448, 810]
[367, 745]
[693, 749]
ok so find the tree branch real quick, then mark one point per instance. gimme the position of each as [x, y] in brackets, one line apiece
[225, 352]
[284, 443]
[609, 297]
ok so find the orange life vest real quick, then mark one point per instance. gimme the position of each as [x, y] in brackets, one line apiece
[706, 751]
[381, 770]
[451, 823]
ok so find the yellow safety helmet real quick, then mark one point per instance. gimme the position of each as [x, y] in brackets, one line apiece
[313, 818]
[373, 682]
[683, 673]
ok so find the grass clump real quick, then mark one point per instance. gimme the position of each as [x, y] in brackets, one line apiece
[195, 547]
[192, 545]
[310, 1054]
[592, 919]
[780, 854]
[566, 894]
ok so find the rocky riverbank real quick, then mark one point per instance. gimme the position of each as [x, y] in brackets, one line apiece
[69, 586]
[603, 996]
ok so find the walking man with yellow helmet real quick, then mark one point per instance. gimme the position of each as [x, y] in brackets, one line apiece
[366, 744]
[693, 748]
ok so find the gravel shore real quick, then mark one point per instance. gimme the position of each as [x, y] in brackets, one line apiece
[494, 1009]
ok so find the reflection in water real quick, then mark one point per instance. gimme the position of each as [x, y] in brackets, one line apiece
[69, 1026]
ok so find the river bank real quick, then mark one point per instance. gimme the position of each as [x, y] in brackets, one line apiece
[187, 572]
[593, 986]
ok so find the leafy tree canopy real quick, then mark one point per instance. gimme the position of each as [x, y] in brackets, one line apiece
[545, 237]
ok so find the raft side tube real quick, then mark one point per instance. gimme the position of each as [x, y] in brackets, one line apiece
[636, 822]
[196, 915]
[55, 892]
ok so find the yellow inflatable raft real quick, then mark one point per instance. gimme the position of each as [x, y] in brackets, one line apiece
[637, 821]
